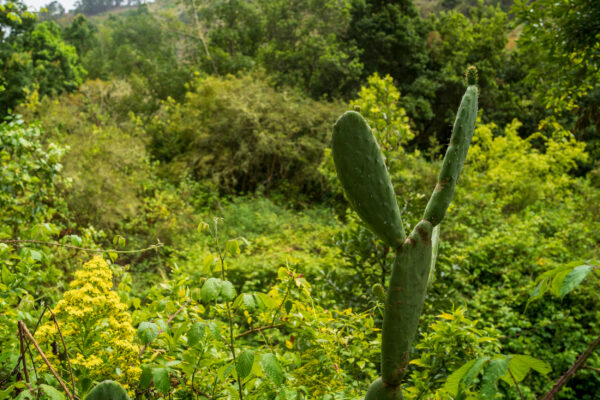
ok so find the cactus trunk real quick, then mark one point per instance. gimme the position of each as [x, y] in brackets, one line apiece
[404, 302]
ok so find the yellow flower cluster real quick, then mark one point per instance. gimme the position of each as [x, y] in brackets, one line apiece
[97, 328]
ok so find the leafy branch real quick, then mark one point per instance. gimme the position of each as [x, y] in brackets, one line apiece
[90, 250]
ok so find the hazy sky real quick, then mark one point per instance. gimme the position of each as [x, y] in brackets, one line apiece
[36, 4]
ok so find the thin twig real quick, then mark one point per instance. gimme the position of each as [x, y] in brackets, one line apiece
[287, 292]
[229, 317]
[68, 246]
[567, 375]
[23, 357]
[259, 329]
[16, 368]
[516, 384]
[32, 362]
[196, 367]
[64, 347]
[37, 346]
[168, 322]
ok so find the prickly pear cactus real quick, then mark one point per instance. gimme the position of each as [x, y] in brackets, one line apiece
[107, 390]
[366, 182]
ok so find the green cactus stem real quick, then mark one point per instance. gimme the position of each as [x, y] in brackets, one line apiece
[404, 302]
[361, 169]
[462, 133]
[379, 390]
[107, 390]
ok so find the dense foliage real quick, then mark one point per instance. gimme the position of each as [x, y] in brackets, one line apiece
[168, 195]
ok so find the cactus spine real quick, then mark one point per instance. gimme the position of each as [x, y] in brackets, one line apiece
[367, 184]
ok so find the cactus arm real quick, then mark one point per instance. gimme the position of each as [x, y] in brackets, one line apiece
[404, 302]
[462, 133]
[362, 172]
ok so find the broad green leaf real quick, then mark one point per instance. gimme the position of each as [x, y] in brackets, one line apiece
[227, 291]
[493, 371]
[232, 247]
[462, 378]
[75, 240]
[244, 363]
[147, 332]
[203, 227]
[214, 330]
[558, 280]
[533, 363]
[271, 368]
[470, 375]
[196, 333]
[266, 299]
[163, 325]
[574, 278]
[210, 290]
[520, 365]
[453, 380]
[161, 380]
[146, 377]
[288, 306]
[249, 302]
[238, 301]
[7, 276]
[35, 255]
[52, 393]
[225, 371]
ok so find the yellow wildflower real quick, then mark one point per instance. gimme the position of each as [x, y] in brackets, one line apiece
[97, 329]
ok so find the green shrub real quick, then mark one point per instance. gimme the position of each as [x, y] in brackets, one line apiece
[242, 134]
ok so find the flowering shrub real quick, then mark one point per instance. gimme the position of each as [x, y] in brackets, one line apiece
[97, 330]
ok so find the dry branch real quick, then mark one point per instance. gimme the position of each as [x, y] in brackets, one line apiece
[24, 330]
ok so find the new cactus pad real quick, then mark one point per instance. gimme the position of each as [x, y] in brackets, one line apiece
[367, 184]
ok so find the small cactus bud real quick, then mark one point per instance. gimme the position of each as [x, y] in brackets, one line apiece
[471, 75]
[378, 292]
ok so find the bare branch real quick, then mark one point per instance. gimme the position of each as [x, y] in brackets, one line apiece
[37, 346]
[516, 384]
[260, 329]
[64, 347]
[567, 375]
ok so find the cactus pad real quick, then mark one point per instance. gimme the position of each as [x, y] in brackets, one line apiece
[361, 169]
[107, 390]
[379, 390]
[462, 133]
